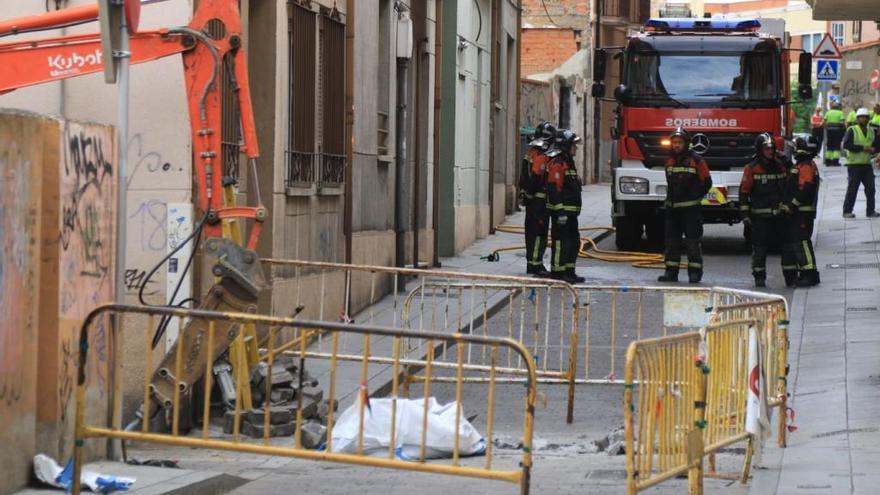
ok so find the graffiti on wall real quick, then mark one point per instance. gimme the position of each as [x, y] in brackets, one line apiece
[17, 282]
[87, 241]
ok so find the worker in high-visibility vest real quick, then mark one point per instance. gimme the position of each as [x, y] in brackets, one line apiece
[817, 122]
[851, 118]
[834, 131]
[860, 143]
[875, 118]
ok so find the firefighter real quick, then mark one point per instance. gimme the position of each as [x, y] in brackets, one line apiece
[851, 118]
[817, 122]
[802, 196]
[532, 185]
[688, 180]
[564, 206]
[860, 143]
[834, 131]
[761, 193]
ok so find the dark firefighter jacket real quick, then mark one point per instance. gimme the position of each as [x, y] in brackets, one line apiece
[563, 184]
[688, 180]
[802, 190]
[533, 173]
[762, 189]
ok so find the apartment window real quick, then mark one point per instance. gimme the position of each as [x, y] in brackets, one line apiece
[332, 164]
[383, 81]
[315, 154]
[810, 41]
[300, 154]
[837, 33]
[644, 11]
[857, 31]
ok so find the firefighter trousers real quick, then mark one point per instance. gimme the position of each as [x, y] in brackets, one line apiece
[537, 225]
[801, 242]
[766, 230]
[687, 222]
[566, 243]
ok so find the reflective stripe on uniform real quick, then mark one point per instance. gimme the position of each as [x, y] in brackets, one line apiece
[685, 204]
[681, 170]
[811, 264]
[694, 265]
[768, 176]
[760, 211]
[807, 208]
[673, 264]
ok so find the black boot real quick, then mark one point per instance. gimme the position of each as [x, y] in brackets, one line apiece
[791, 278]
[668, 276]
[694, 276]
[808, 278]
[760, 280]
[539, 271]
[573, 278]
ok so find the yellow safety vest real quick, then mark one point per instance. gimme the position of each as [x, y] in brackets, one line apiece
[862, 139]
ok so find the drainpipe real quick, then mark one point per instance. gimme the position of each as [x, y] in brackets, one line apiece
[438, 77]
[347, 206]
[597, 105]
[404, 53]
[417, 155]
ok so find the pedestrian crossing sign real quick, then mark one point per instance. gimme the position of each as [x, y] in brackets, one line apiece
[827, 70]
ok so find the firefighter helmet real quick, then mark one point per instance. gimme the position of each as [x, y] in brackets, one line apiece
[682, 133]
[567, 139]
[545, 131]
[806, 147]
[764, 140]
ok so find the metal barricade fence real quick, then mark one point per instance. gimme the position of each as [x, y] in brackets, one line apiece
[227, 327]
[674, 403]
[663, 414]
[543, 315]
[771, 316]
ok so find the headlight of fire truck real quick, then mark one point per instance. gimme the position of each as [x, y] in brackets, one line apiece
[633, 185]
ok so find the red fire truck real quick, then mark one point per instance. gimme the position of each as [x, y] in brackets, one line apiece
[724, 81]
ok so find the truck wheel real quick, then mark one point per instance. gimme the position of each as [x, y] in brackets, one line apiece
[628, 233]
[654, 229]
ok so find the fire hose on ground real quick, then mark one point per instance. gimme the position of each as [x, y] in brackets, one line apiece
[589, 250]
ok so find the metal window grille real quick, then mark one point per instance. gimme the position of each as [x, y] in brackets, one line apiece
[300, 154]
[333, 161]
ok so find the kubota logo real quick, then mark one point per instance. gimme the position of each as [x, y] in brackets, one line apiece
[700, 122]
[61, 65]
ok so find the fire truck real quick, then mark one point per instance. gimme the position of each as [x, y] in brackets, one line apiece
[725, 81]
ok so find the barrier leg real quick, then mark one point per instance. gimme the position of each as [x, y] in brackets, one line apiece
[747, 463]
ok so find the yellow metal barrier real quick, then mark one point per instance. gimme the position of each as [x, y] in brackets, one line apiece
[307, 330]
[664, 399]
[771, 320]
[671, 398]
[543, 315]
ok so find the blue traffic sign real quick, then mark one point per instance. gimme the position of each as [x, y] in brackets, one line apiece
[827, 70]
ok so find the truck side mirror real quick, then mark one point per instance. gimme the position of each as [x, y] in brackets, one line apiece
[805, 70]
[622, 93]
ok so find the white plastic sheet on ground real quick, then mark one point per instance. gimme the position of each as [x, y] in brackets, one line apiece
[439, 441]
[49, 472]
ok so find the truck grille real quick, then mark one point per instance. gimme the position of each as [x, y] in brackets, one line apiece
[726, 149]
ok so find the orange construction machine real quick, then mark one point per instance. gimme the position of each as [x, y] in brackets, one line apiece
[211, 42]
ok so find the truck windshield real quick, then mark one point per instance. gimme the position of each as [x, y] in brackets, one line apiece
[703, 79]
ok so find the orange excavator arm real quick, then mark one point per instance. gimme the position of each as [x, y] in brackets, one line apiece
[209, 44]
[214, 36]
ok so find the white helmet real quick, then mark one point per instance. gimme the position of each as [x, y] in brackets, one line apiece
[863, 112]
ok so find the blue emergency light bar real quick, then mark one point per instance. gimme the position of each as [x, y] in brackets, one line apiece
[702, 25]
